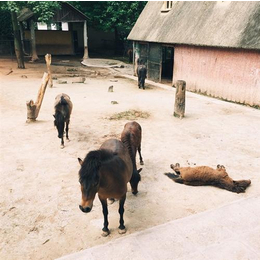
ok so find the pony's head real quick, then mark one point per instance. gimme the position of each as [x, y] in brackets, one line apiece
[59, 122]
[89, 180]
[136, 177]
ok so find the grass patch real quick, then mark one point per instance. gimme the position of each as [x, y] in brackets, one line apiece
[129, 115]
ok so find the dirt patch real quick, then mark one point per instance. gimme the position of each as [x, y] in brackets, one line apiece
[129, 115]
[39, 184]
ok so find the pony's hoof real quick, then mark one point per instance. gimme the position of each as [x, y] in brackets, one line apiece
[111, 201]
[105, 233]
[121, 231]
[141, 163]
[62, 146]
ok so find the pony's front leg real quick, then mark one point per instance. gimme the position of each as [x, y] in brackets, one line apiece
[62, 143]
[121, 210]
[67, 130]
[105, 213]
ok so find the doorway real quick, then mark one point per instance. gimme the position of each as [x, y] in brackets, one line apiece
[167, 64]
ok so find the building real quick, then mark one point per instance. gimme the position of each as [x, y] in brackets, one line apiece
[213, 46]
[68, 33]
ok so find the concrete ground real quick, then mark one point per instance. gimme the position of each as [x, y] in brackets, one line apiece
[229, 232]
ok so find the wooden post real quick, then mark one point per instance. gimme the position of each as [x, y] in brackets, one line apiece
[136, 51]
[85, 37]
[179, 106]
[33, 109]
[48, 64]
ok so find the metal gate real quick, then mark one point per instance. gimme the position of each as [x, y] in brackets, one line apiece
[154, 62]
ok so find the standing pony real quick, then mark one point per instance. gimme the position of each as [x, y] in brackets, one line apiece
[63, 107]
[105, 171]
[141, 73]
[131, 138]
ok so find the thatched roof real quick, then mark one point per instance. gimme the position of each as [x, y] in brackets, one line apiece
[220, 24]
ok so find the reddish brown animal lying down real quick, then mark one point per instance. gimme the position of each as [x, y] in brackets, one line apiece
[204, 175]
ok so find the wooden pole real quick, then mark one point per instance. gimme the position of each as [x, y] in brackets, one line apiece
[48, 64]
[136, 58]
[33, 109]
[179, 106]
[85, 37]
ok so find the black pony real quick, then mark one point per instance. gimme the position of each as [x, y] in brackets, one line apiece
[63, 107]
[141, 73]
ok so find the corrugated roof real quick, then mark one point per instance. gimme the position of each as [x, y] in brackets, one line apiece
[220, 24]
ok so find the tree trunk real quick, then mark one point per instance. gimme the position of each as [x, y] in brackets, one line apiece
[116, 40]
[22, 37]
[179, 106]
[17, 41]
[33, 109]
[33, 42]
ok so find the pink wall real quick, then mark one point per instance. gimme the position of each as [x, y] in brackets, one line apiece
[230, 74]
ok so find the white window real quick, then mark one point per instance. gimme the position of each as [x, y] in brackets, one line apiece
[42, 26]
[167, 6]
[64, 26]
[53, 26]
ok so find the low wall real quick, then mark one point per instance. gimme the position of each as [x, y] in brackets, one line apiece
[53, 42]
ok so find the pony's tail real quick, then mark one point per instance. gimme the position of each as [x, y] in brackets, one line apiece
[126, 140]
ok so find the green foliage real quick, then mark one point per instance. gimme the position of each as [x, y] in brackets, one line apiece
[6, 24]
[43, 10]
[108, 15]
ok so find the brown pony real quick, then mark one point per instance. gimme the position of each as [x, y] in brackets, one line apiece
[106, 171]
[131, 138]
[204, 175]
[63, 107]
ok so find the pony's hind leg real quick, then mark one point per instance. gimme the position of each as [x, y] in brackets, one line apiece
[67, 130]
[105, 213]
[121, 210]
[176, 167]
[140, 156]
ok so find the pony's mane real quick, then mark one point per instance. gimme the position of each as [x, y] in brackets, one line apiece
[92, 163]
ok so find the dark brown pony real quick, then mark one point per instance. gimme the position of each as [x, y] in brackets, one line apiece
[63, 107]
[131, 138]
[204, 175]
[106, 171]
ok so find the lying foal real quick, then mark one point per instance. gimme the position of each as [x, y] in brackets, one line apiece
[204, 175]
